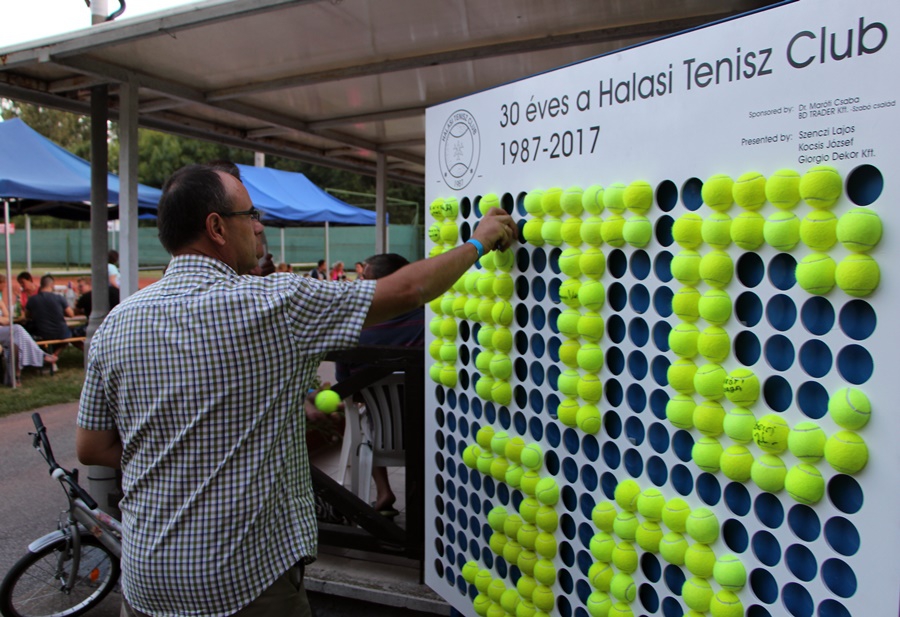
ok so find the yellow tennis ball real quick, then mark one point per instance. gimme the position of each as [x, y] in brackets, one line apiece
[625, 525]
[592, 199]
[434, 348]
[484, 436]
[716, 269]
[485, 283]
[736, 463]
[749, 190]
[768, 473]
[806, 441]
[547, 491]
[680, 411]
[510, 598]
[702, 525]
[550, 203]
[603, 515]
[498, 443]
[504, 286]
[709, 381]
[591, 231]
[436, 209]
[821, 186]
[850, 408]
[672, 548]
[590, 358]
[857, 275]
[687, 230]
[449, 232]
[625, 557]
[715, 307]
[598, 604]
[601, 547]
[514, 447]
[637, 231]
[529, 482]
[570, 262]
[531, 231]
[726, 603]
[459, 306]
[483, 580]
[543, 599]
[526, 562]
[483, 361]
[782, 231]
[532, 456]
[685, 267]
[592, 295]
[859, 230]
[567, 382]
[686, 304]
[650, 504]
[700, 560]
[706, 453]
[511, 525]
[620, 609]
[717, 192]
[503, 260]
[747, 230]
[805, 484]
[571, 231]
[638, 197]
[514, 475]
[683, 340]
[708, 417]
[818, 230]
[680, 375]
[815, 273]
[502, 340]
[501, 392]
[648, 536]
[448, 352]
[771, 433]
[545, 545]
[486, 311]
[470, 456]
[730, 572]
[697, 593]
[568, 292]
[496, 589]
[588, 419]
[846, 452]
[592, 263]
[568, 353]
[502, 313]
[714, 344]
[551, 231]
[675, 514]
[626, 494]
[547, 519]
[567, 323]
[783, 189]
[571, 200]
[612, 230]
[716, 230]
[545, 572]
[614, 197]
[434, 372]
[487, 261]
[434, 232]
[622, 587]
[601, 575]
[449, 376]
[499, 467]
[491, 200]
[742, 387]
[532, 202]
[738, 423]
[591, 326]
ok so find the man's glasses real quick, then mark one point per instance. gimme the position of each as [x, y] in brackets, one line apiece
[253, 213]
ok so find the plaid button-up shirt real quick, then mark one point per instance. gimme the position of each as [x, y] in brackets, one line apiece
[203, 374]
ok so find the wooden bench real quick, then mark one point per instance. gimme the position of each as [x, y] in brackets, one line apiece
[61, 341]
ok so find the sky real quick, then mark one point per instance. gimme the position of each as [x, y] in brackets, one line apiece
[27, 20]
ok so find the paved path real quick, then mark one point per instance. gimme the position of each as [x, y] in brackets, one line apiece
[30, 500]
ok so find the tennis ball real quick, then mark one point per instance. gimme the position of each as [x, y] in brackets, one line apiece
[487, 261]
[571, 231]
[612, 230]
[551, 231]
[685, 267]
[768, 473]
[592, 199]
[626, 525]
[491, 200]
[485, 284]
[726, 604]
[590, 358]
[747, 230]
[804, 483]
[749, 190]
[481, 603]
[821, 186]
[626, 494]
[675, 514]
[501, 366]
[547, 519]
[588, 419]
[650, 504]
[571, 200]
[545, 572]
[496, 589]
[532, 202]
[592, 295]
[680, 411]
[436, 250]
[327, 401]
[449, 329]
[687, 230]
[603, 515]
[503, 285]
[501, 392]
[707, 453]
[614, 197]
[625, 557]
[742, 387]
[709, 381]
[716, 269]
[850, 408]
[526, 562]
[672, 548]
[449, 232]
[600, 576]
[434, 372]
[567, 323]
[470, 456]
[730, 573]
[483, 580]
[459, 306]
[486, 311]
[528, 509]
[568, 353]
[717, 192]
[502, 340]
[590, 389]
[648, 536]
[483, 362]
[846, 452]
[511, 550]
[700, 560]
[570, 261]
[503, 260]
[782, 231]
[510, 599]
[447, 301]
[531, 231]
[859, 230]
[567, 382]
[486, 336]
[484, 386]
[815, 273]
[739, 422]
[622, 587]
[497, 542]
[450, 208]
[511, 525]
[601, 546]
[715, 307]
[736, 462]
[716, 230]
[818, 230]
[471, 309]
[547, 491]
[620, 609]
[683, 340]
[783, 189]
[637, 231]
[545, 545]
[498, 443]
[708, 417]
[686, 304]
[680, 375]
[598, 604]
[592, 263]
[591, 326]
[485, 460]
[697, 594]
[771, 433]
[638, 197]
[513, 475]
[502, 313]
[857, 275]
[532, 456]
[434, 232]
[702, 525]
[543, 598]
[714, 344]
[806, 441]
[436, 209]
[591, 231]
[550, 203]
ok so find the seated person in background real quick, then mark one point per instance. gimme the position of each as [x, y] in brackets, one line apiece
[112, 268]
[319, 271]
[407, 330]
[47, 311]
[83, 305]
[337, 272]
[27, 351]
[360, 266]
[27, 288]
[282, 267]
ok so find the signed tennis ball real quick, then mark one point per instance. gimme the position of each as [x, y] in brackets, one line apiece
[716, 230]
[685, 267]
[708, 417]
[806, 441]
[611, 231]
[716, 269]
[857, 275]
[686, 304]
[714, 344]
[846, 452]
[738, 423]
[771, 433]
[782, 231]
[749, 190]
[859, 230]
[327, 401]
[805, 484]
[675, 514]
[637, 231]
[702, 525]
[818, 230]
[592, 199]
[436, 209]
[821, 186]
[815, 273]
[742, 387]
[717, 192]
[768, 473]
[850, 408]
[747, 230]
[736, 463]
[626, 494]
[680, 411]
[687, 230]
[783, 189]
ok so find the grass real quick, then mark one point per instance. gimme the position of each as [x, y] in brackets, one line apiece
[40, 390]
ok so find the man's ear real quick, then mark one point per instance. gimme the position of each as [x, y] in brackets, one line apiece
[215, 228]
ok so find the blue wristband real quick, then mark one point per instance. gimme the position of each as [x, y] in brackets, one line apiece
[478, 246]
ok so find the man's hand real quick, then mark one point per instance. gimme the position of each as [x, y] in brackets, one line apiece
[314, 415]
[265, 267]
[496, 230]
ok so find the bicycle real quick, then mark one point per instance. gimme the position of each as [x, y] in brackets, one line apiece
[68, 571]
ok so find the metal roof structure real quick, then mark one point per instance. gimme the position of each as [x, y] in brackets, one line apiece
[331, 82]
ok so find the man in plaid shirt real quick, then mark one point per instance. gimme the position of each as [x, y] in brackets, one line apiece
[194, 388]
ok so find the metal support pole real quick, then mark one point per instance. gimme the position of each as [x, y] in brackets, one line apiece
[28, 243]
[327, 251]
[381, 242]
[8, 294]
[128, 188]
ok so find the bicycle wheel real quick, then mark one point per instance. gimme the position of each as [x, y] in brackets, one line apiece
[34, 586]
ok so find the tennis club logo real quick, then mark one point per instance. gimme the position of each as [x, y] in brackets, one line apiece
[460, 149]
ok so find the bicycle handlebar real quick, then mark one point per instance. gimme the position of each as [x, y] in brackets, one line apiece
[40, 437]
